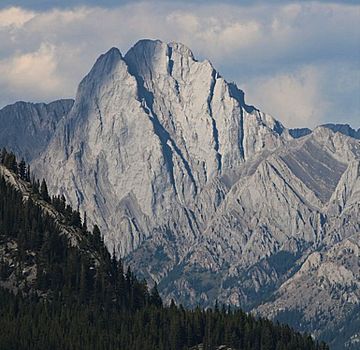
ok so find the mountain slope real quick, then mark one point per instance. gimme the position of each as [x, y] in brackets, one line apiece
[60, 289]
[277, 208]
[130, 151]
[26, 128]
[327, 281]
[205, 195]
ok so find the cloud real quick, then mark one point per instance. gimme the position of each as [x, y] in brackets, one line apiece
[32, 74]
[294, 98]
[15, 17]
[214, 35]
[310, 95]
[287, 50]
[48, 4]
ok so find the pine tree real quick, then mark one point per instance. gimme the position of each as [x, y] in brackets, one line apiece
[22, 169]
[84, 226]
[10, 162]
[3, 155]
[44, 191]
[28, 173]
[35, 186]
[96, 236]
[155, 298]
[75, 219]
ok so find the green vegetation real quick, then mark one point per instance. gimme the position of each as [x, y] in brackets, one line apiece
[81, 297]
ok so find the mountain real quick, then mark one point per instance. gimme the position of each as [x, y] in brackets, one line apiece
[59, 288]
[150, 133]
[326, 280]
[203, 194]
[344, 129]
[26, 128]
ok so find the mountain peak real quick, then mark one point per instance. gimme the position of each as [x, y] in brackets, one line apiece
[153, 45]
[110, 56]
[149, 56]
[147, 47]
[108, 64]
[181, 48]
[107, 61]
[145, 43]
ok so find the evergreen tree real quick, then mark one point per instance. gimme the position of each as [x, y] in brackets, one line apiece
[35, 186]
[10, 162]
[155, 298]
[22, 169]
[44, 191]
[28, 173]
[3, 155]
[75, 219]
[84, 226]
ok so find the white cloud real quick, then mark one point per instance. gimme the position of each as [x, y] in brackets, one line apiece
[214, 35]
[294, 98]
[15, 17]
[279, 49]
[32, 74]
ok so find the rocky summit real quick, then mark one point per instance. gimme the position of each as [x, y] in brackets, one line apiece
[208, 196]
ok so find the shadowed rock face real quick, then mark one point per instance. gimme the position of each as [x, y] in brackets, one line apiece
[299, 132]
[26, 128]
[344, 129]
[209, 197]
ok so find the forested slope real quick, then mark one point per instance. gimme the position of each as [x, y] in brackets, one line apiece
[61, 289]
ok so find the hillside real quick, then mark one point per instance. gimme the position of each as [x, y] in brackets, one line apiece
[61, 289]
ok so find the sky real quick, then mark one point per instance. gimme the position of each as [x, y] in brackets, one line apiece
[296, 60]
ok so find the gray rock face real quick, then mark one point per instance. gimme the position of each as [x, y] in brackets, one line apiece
[323, 295]
[146, 135]
[26, 128]
[201, 193]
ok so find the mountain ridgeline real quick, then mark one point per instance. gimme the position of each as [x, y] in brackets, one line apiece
[207, 196]
[61, 289]
[27, 128]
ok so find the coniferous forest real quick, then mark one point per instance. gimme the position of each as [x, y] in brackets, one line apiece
[62, 289]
